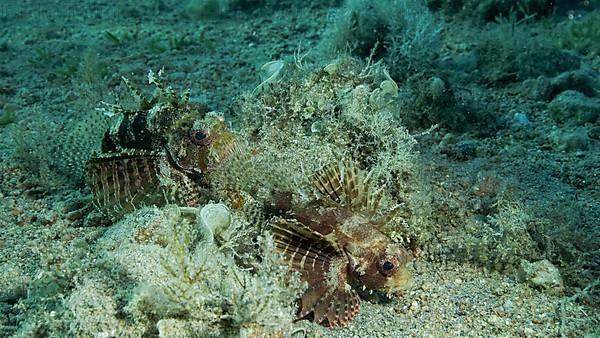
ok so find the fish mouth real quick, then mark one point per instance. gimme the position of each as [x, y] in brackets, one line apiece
[193, 173]
[400, 281]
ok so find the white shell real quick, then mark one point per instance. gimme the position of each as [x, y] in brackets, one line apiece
[215, 217]
[318, 126]
[389, 86]
[270, 70]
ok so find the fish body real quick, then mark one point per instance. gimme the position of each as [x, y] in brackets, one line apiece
[336, 244]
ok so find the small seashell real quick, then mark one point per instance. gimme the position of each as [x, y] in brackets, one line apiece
[521, 119]
[389, 86]
[332, 68]
[318, 126]
[215, 218]
[269, 72]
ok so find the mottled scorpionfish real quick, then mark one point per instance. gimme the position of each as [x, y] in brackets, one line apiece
[336, 243]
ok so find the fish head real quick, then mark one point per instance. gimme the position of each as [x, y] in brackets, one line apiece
[384, 268]
[200, 144]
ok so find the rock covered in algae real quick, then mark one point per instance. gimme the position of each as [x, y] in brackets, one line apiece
[541, 274]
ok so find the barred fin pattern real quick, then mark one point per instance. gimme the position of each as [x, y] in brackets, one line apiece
[350, 180]
[305, 250]
[222, 149]
[343, 307]
[314, 255]
[329, 183]
[121, 183]
[347, 186]
[187, 192]
[330, 305]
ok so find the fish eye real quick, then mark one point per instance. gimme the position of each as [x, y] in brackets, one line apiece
[200, 137]
[386, 267]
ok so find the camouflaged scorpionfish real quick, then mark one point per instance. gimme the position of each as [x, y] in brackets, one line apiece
[336, 243]
[158, 154]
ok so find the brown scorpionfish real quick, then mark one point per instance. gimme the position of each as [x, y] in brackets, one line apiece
[337, 243]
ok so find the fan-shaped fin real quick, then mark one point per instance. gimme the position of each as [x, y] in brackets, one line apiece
[120, 183]
[330, 306]
[329, 182]
[123, 182]
[304, 249]
[346, 185]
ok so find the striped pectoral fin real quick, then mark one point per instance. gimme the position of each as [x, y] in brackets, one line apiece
[328, 298]
[343, 307]
[329, 306]
[303, 247]
[120, 181]
[346, 185]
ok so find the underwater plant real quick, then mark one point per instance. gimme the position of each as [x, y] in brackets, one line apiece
[583, 36]
[402, 33]
[211, 293]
